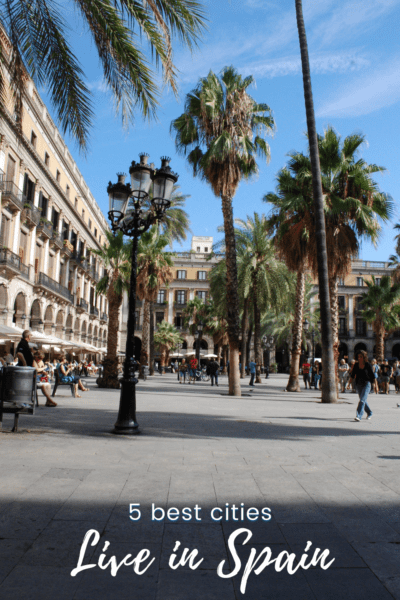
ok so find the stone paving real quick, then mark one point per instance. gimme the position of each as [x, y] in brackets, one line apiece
[326, 478]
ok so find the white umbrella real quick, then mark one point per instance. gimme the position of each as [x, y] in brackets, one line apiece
[210, 356]
[190, 354]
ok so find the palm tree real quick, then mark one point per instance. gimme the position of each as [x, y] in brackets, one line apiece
[329, 388]
[166, 338]
[220, 132]
[116, 256]
[353, 208]
[394, 261]
[381, 308]
[154, 271]
[263, 277]
[39, 45]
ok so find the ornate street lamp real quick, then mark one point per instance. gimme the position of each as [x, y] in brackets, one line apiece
[199, 338]
[128, 215]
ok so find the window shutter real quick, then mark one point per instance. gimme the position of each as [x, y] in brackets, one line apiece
[36, 266]
[185, 296]
[176, 295]
[21, 253]
[25, 188]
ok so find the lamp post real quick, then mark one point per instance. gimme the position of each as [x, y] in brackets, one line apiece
[128, 215]
[199, 338]
[179, 346]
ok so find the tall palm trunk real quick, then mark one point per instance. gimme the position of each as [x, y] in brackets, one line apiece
[257, 336]
[333, 293]
[329, 389]
[163, 355]
[245, 324]
[151, 344]
[144, 353]
[225, 358]
[232, 297]
[293, 384]
[379, 341]
[110, 363]
[248, 346]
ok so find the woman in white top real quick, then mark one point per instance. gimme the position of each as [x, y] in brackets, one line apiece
[343, 374]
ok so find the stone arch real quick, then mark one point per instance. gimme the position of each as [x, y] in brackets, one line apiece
[343, 350]
[184, 345]
[19, 310]
[358, 347]
[83, 331]
[60, 324]
[396, 351]
[35, 317]
[203, 344]
[49, 319]
[68, 327]
[77, 329]
[90, 334]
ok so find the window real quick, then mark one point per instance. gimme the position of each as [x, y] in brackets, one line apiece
[28, 189]
[181, 274]
[361, 327]
[342, 302]
[181, 297]
[202, 275]
[206, 249]
[179, 321]
[95, 232]
[83, 213]
[341, 281]
[43, 204]
[202, 295]
[58, 176]
[55, 218]
[99, 239]
[377, 281]
[90, 224]
[67, 190]
[198, 249]
[342, 326]
[360, 281]
[159, 318]
[33, 139]
[76, 203]
[46, 159]
[359, 305]
[65, 228]
[161, 296]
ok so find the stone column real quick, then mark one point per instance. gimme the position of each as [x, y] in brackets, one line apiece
[171, 306]
[351, 317]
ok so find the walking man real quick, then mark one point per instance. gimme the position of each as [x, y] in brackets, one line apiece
[306, 374]
[213, 370]
[252, 372]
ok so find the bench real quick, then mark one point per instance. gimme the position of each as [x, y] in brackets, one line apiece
[57, 382]
[18, 393]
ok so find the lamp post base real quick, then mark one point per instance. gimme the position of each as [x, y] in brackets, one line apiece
[126, 423]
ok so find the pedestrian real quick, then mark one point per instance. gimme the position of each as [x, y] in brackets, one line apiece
[363, 376]
[306, 374]
[182, 371]
[318, 374]
[343, 374]
[252, 367]
[386, 373]
[396, 376]
[42, 378]
[213, 369]
[192, 370]
[375, 370]
[65, 375]
[24, 349]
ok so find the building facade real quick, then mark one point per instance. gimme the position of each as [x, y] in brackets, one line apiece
[49, 224]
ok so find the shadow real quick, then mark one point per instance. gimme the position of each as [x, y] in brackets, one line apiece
[390, 457]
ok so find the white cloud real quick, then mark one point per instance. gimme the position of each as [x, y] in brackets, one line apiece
[366, 94]
[326, 63]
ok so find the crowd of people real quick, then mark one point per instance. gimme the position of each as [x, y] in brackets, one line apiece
[68, 371]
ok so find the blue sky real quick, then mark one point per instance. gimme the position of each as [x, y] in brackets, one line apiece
[355, 61]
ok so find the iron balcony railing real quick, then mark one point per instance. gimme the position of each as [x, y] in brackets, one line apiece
[32, 214]
[45, 228]
[103, 317]
[48, 283]
[13, 261]
[57, 240]
[10, 192]
[81, 303]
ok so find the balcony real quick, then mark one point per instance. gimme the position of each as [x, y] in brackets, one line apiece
[30, 215]
[94, 312]
[82, 305]
[67, 249]
[11, 196]
[45, 229]
[93, 274]
[12, 266]
[51, 287]
[103, 317]
[56, 240]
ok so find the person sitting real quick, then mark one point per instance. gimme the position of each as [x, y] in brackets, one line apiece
[42, 377]
[65, 374]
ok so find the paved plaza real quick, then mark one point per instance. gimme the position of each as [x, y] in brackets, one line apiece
[325, 478]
